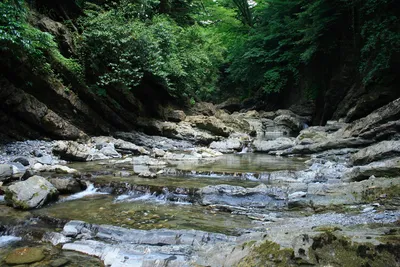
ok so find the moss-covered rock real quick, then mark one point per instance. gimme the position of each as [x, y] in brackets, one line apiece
[25, 256]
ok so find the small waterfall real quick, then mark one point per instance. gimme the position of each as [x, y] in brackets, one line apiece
[165, 197]
[89, 191]
[5, 240]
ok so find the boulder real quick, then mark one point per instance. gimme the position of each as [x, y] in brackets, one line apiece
[119, 145]
[70, 150]
[158, 153]
[6, 171]
[25, 255]
[211, 124]
[376, 152]
[109, 151]
[32, 193]
[227, 146]
[67, 185]
[175, 115]
[24, 161]
[203, 108]
[272, 145]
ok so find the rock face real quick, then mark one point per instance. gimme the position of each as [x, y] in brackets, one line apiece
[379, 151]
[385, 168]
[32, 193]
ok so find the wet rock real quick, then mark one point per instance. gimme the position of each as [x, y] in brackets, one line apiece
[32, 193]
[207, 152]
[24, 161]
[272, 145]
[96, 156]
[66, 185]
[376, 152]
[175, 115]
[55, 238]
[260, 196]
[25, 255]
[6, 171]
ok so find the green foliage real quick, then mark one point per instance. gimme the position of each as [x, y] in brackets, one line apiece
[121, 49]
[17, 37]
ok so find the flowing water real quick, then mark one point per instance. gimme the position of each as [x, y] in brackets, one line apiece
[140, 203]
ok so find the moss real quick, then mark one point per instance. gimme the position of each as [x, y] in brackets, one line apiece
[327, 229]
[384, 195]
[269, 254]
[329, 249]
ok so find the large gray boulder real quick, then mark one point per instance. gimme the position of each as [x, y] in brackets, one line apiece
[70, 150]
[67, 185]
[227, 146]
[30, 194]
[379, 151]
[6, 171]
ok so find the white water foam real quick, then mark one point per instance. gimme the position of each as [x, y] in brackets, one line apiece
[6, 239]
[90, 191]
[151, 197]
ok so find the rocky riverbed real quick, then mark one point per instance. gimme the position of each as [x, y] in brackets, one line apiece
[241, 189]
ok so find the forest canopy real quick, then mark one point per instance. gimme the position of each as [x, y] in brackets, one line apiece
[209, 49]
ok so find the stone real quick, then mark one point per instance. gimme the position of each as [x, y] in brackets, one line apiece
[66, 185]
[292, 123]
[272, 145]
[175, 115]
[24, 161]
[32, 193]
[122, 174]
[70, 150]
[227, 146]
[28, 173]
[25, 255]
[6, 171]
[158, 153]
[96, 156]
[211, 124]
[380, 151]
[110, 151]
[47, 159]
